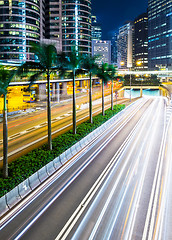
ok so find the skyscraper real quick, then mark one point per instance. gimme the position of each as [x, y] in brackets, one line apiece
[159, 34]
[125, 46]
[76, 25]
[53, 22]
[96, 29]
[20, 24]
[114, 49]
[141, 42]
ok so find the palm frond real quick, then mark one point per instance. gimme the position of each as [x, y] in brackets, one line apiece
[33, 78]
[27, 67]
[5, 78]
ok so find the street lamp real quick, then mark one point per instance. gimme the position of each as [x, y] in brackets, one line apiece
[139, 63]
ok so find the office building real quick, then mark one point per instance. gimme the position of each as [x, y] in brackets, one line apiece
[20, 24]
[96, 29]
[103, 50]
[141, 42]
[125, 46]
[114, 49]
[159, 34]
[53, 22]
[76, 25]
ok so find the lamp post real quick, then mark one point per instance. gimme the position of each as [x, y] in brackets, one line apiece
[139, 63]
[130, 66]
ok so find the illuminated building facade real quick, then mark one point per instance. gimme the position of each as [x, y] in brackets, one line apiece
[20, 24]
[125, 46]
[96, 29]
[103, 50]
[76, 25]
[141, 42]
[53, 29]
[159, 34]
[114, 49]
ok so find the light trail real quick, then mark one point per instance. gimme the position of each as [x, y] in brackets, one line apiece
[136, 109]
[69, 225]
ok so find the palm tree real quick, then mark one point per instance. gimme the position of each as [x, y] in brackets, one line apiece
[102, 73]
[71, 62]
[5, 79]
[47, 61]
[111, 72]
[89, 64]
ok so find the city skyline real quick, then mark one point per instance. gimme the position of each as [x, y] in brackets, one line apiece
[114, 14]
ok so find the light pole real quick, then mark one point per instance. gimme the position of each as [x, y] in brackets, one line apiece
[130, 84]
[122, 64]
[139, 63]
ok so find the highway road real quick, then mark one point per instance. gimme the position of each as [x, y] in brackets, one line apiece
[117, 187]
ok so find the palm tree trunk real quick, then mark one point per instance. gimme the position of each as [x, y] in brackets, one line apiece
[5, 140]
[111, 94]
[49, 113]
[103, 104]
[90, 99]
[74, 104]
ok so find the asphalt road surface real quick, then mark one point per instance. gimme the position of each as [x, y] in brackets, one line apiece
[117, 187]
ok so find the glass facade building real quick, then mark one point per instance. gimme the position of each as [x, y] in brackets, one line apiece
[159, 34]
[53, 18]
[19, 26]
[96, 29]
[76, 25]
[125, 46]
[141, 42]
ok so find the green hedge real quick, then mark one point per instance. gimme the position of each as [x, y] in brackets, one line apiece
[28, 164]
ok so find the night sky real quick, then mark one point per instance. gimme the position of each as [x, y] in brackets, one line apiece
[114, 13]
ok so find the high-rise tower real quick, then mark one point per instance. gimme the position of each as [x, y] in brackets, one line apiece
[76, 25]
[141, 42]
[20, 24]
[125, 46]
[159, 34]
[96, 29]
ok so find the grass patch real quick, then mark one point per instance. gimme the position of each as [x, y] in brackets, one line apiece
[25, 166]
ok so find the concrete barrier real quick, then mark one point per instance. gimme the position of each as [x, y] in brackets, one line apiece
[90, 137]
[13, 197]
[24, 188]
[63, 158]
[34, 180]
[73, 149]
[78, 146]
[82, 143]
[94, 134]
[68, 154]
[86, 139]
[42, 174]
[50, 168]
[56, 162]
[3, 206]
